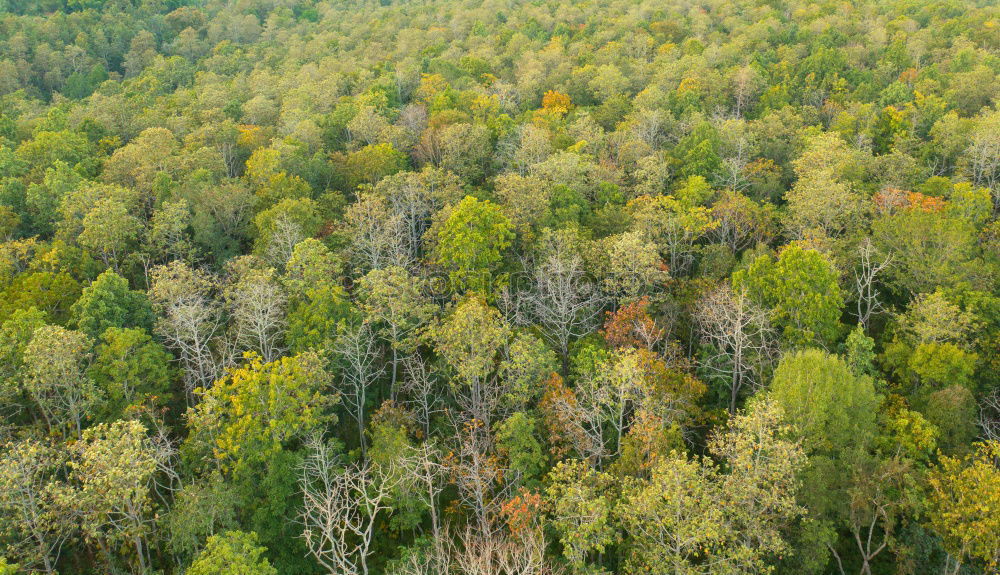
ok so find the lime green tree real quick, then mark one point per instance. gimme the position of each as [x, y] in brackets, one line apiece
[801, 289]
[232, 553]
[108, 302]
[471, 242]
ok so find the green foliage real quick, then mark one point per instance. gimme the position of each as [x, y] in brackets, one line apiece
[232, 553]
[582, 510]
[830, 406]
[54, 376]
[260, 408]
[470, 338]
[801, 288]
[470, 245]
[506, 241]
[517, 441]
[964, 496]
[131, 370]
[109, 303]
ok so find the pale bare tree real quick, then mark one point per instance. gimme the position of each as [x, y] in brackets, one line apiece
[421, 390]
[282, 239]
[357, 348]
[413, 119]
[256, 302]
[423, 468]
[746, 85]
[870, 265]
[477, 473]
[189, 319]
[989, 416]
[740, 334]
[983, 156]
[377, 236]
[500, 554]
[562, 300]
[342, 506]
[734, 168]
[477, 554]
[414, 197]
[166, 452]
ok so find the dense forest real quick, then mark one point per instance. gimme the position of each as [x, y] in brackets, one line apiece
[497, 287]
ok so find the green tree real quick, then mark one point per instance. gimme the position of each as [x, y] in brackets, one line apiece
[43, 199]
[55, 377]
[471, 242]
[833, 411]
[51, 292]
[108, 302]
[15, 335]
[232, 553]
[802, 291]
[964, 498]
[930, 250]
[131, 371]
[317, 303]
[831, 407]
[114, 470]
[583, 502]
[517, 441]
[259, 408]
[35, 522]
[695, 517]
[110, 231]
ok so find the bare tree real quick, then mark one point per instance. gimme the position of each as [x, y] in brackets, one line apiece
[983, 156]
[287, 233]
[562, 300]
[499, 554]
[865, 290]
[256, 303]
[477, 473]
[166, 452]
[421, 390]
[358, 350]
[341, 507]
[189, 320]
[377, 236]
[477, 554]
[989, 416]
[740, 334]
[738, 151]
[414, 198]
[746, 84]
[428, 475]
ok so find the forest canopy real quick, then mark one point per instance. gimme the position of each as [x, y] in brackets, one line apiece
[484, 287]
